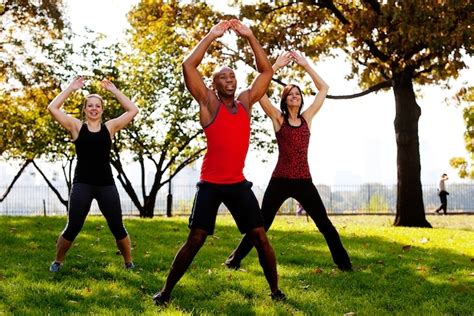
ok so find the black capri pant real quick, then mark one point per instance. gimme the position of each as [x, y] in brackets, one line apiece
[304, 191]
[80, 202]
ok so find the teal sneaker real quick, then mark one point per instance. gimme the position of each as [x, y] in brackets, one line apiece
[129, 266]
[55, 266]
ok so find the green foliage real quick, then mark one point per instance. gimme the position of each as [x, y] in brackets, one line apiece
[165, 32]
[466, 166]
[435, 264]
[379, 39]
[35, 43]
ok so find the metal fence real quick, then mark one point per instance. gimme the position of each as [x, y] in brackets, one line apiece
[338, 199]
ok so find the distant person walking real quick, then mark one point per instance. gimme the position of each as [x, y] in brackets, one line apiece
[291, 177]
[93, 174]
[443, 194]
[226, 123]
[299, 209]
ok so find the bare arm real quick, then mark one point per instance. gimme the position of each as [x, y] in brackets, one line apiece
[116, 124]
[70, 123]
[320, 84]
[272, 111]
[260, 84]
[192, 77]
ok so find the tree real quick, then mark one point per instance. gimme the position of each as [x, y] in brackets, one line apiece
[34, 39]
[165, 134]
[466, 167]
[162, 34]
[391, 45]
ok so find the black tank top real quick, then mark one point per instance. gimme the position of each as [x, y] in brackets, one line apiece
[93, 157]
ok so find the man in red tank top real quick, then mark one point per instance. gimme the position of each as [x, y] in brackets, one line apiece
[226, 124]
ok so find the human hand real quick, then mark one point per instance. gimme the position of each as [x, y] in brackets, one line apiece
[282, 60]
[239, 28]
[219, 29]
[299, 59]
[77, 83]
[108, 85]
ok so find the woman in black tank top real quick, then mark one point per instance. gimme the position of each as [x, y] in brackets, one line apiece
[93, 174]
[291, 177]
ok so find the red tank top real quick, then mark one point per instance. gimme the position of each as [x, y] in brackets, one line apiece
[228, 138]
[293, 143]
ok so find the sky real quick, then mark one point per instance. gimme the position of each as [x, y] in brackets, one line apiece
[353, 141]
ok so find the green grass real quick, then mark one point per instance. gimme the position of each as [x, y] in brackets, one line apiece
[398, 271]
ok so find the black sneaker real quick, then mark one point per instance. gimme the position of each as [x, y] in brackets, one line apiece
[161, 298]
[278, 296]
[231, 265]
[55, 266]
[345, 267]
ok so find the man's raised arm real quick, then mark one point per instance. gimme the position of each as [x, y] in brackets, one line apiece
[192, 77]
[264, 67]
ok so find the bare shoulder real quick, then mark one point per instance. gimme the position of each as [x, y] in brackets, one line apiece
[244, 99]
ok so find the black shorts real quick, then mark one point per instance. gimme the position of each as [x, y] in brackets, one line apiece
[238, 198]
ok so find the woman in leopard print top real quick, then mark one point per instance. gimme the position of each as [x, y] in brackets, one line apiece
[291, 177]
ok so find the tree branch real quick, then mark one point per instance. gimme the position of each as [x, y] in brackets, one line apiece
[275, 8]
[183, 145]
[183, 164]
[374, 5]
[15, 178]
[329, 4]
[51, 186]
[378, 86]
[374, 88]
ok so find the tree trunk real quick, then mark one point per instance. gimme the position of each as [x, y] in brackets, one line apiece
[148, 207]
[410, 207]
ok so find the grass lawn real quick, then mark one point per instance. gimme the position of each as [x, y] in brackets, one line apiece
[397, 271]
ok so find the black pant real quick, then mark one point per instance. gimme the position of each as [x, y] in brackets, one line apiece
[443, 197]
[304, 191]
[80, 203]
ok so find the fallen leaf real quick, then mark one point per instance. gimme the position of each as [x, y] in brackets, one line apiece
[406, 247]
[318, 271]
[380, 262]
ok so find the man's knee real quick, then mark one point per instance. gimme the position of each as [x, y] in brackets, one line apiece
[258, 237]
[196, 238]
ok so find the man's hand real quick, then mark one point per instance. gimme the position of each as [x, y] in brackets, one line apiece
[240, 29]
[219, 29]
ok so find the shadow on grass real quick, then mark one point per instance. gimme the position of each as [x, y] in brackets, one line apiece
[388, 278]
